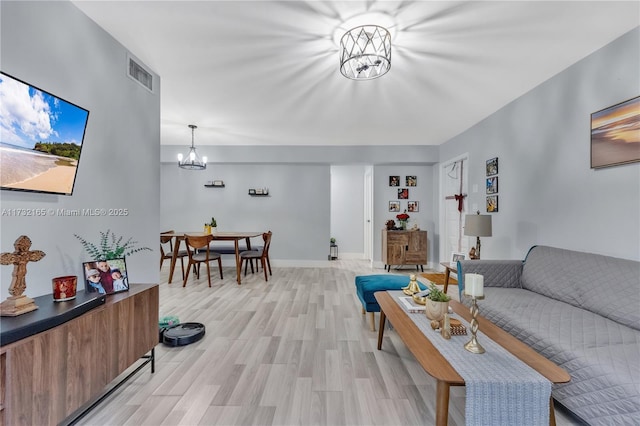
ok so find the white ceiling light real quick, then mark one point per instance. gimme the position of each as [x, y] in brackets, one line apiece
[365, 52]
[192, 161]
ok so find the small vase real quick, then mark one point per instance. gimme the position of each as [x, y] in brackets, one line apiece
[403, 225]
[207, 229]
[436, 310]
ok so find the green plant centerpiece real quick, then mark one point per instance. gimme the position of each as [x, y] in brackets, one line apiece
[211, 225]
[332, 241]
[437, 303]
[110, 246]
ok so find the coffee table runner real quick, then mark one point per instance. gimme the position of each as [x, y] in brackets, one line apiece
[500, 389]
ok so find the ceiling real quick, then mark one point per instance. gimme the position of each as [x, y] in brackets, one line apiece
[266, 72]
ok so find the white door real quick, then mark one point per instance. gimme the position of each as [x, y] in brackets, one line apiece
[368, 213]
[453, 206]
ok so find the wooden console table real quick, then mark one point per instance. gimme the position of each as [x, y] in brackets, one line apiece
[49, 376]
[404, 248]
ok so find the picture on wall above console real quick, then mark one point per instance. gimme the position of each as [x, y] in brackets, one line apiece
[411, 180]
[394, 180]
[403, 194]
[492, 204]
[615, 134]
[413, 206]
[492, 185]
[106, 276]
[492, 166]
[41, 139]
[394, 206]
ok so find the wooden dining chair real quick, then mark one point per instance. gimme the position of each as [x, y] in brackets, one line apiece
[263, 254]
[198, 251]
[166, 250]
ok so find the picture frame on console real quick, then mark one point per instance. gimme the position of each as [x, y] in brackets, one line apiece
[455, 256]
[106, 276]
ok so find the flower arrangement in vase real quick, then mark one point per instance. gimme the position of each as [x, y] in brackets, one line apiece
[403, 218]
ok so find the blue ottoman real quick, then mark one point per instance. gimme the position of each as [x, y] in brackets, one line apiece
[367, 285]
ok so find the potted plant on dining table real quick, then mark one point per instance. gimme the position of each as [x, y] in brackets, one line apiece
[210, 227]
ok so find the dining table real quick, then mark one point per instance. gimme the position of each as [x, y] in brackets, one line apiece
[217, 236]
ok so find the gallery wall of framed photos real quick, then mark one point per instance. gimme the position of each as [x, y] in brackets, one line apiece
[404, 197]
[406, 187]
[492, 185]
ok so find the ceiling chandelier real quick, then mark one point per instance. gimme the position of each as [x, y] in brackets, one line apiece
[365, 52]
[192, 160]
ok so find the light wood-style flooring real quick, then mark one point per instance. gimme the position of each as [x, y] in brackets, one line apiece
[295, 350]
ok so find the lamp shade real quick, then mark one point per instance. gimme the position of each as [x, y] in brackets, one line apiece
[477, 225]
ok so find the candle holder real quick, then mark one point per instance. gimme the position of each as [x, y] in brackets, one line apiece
[473, 345]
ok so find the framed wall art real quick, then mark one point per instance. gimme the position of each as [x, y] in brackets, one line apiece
[492, 204]
[492, 185]
[403, 194]
[413, 206]
[394, 180]
[615, 134]
[411, 181]
[492, 166]
[394, 206]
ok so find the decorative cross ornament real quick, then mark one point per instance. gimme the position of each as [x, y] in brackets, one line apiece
[17, 303]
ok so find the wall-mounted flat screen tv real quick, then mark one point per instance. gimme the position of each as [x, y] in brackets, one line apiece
[41, 138]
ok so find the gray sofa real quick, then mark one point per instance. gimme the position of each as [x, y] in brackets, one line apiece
[581, 311]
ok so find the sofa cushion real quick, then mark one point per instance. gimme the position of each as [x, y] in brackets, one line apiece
[367, 285]
[600, 354]
[604, 285]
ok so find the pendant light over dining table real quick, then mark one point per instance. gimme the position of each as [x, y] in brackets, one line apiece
[192, 160]
[365, 52]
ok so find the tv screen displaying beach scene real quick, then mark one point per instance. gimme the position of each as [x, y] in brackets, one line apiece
[41, 138]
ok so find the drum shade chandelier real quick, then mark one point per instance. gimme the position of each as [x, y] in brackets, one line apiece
[365, 52]
[192, 160]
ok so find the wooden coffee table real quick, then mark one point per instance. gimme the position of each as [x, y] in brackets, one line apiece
[437, 366]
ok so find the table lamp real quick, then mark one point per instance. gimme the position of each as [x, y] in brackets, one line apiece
[477, 225]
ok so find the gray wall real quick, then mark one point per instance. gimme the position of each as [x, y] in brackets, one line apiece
[300, 181]
[54, 46]
[424, 193]
[548, 194]
[296, 210]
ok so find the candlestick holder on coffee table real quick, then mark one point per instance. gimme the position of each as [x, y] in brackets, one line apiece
[474, 288]
[473, 345]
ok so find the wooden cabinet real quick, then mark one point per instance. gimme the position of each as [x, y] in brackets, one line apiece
[404, 248]
[44, 378]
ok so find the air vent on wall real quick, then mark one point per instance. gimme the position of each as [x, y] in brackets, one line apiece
[139, 74]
